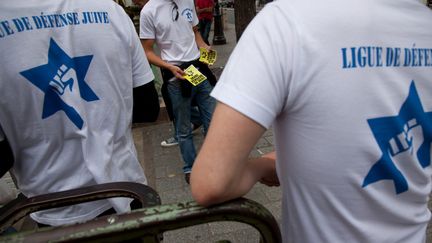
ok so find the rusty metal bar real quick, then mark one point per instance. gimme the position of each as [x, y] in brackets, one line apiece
[147, 223]
[22, 206]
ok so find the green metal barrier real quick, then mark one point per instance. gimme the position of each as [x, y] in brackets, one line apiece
[148, 223]
[22, 206]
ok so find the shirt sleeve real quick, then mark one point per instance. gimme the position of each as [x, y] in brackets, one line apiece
[195, 20]
[257, 77]
[141, 70]
[147, 29]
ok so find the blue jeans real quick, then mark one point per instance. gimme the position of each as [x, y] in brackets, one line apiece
[195, 120]
[182, 116]
[204, 28]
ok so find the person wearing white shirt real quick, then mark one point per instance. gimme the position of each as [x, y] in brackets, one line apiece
[69, 71]
[346, 87]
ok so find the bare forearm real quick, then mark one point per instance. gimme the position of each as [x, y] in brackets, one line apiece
[222, 170]
[199, 40]
[237, 185]
[156, 60]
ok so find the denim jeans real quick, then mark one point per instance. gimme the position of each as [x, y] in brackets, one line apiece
[182, 116]
[204, 28]
[195, 120]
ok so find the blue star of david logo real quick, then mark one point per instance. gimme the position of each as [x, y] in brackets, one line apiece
[61, 74]
[393, 137]
[188, 14]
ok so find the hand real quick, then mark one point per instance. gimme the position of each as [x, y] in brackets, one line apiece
[177, 72]
[207, 47]
[270, 178]
[64, 79]
[65, 84]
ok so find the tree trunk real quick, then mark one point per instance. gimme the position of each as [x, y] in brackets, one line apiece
[244, 12]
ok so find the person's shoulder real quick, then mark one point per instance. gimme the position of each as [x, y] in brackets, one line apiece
[151, 6]
[154, 3]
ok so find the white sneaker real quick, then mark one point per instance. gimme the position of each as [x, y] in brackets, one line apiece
[169, 142]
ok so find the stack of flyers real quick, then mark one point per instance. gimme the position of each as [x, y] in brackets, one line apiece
[193, 75]
[207, 56]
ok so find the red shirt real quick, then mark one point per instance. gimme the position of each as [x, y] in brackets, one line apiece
[205, 4]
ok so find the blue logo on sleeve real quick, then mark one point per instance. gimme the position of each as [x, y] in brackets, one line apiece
[62, 81]
[394, 136]
[187, 13]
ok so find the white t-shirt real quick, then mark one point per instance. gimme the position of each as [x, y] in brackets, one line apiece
[347, 87]
[175, 38]
[67, 73]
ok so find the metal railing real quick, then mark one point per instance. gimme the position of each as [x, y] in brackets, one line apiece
[147, 223]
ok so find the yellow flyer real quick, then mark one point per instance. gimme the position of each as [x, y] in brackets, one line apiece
[194, 76]
[208, 57]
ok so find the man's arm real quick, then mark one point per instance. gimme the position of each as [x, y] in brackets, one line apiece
[6, 157]
[199, 40]
[156, 60]
[146, 103]
[222, 170]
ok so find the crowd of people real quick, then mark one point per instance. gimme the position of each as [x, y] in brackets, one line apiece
[348, 100]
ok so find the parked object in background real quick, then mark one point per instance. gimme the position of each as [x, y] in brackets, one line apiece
[226, 3]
